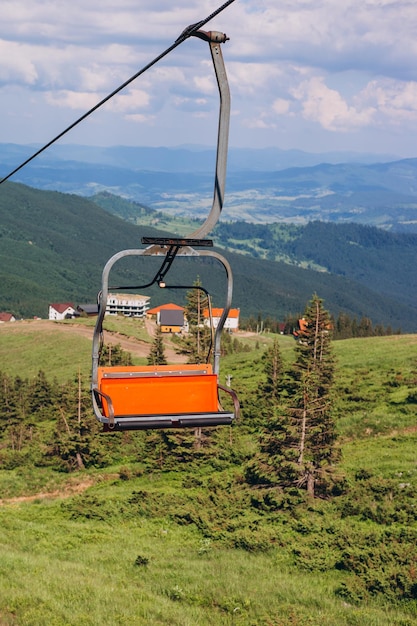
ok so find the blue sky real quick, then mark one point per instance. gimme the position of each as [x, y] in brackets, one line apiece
[314, 75]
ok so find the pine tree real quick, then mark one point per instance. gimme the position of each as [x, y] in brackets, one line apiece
[275, 463]
[115, 355]
[76, 441]
[196, 344]
[310, 403]
[157, 355]
[273, 367]
[297, 447]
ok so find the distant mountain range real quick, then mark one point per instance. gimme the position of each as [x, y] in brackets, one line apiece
[53, 247]
[263, 186]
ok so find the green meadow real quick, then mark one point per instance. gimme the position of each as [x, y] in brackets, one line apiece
[154, 537]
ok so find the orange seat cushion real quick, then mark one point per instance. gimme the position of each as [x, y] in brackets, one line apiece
[159, 390]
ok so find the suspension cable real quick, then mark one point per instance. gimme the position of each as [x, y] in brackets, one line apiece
[187, 32]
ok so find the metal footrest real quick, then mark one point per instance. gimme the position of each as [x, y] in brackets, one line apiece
[150, 422]
[173, 241]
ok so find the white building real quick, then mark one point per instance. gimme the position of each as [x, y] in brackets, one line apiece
[232, 321]
[130, 305]
[61, 311]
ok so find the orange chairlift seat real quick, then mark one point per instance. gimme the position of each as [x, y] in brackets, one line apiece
[168, 396]
[160, 396]
[172, 396]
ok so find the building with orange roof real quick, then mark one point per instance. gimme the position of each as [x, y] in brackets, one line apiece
[232, 321]
[163, 307]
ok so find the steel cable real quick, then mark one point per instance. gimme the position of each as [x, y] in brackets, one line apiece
[187, 32]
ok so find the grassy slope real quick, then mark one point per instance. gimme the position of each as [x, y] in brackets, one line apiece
[61, 349]
[82, 560]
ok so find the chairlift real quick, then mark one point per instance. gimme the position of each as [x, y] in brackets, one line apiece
[180, 395]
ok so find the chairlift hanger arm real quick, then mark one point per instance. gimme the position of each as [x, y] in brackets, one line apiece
[214, 39]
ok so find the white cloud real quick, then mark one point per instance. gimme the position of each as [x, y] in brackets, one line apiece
[15, 65]
[140, 118]
[77, 100]
[317, 64]
[328, 108]
[205, 84]
[260, 122]
[131, 101]
[125, 103]
[250, 78]
[395, 100]
[281, 106]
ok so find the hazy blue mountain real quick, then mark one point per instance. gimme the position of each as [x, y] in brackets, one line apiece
[187, 158]
[261, 187]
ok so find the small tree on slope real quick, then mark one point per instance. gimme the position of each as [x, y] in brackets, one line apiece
[197, 342]
[156, 355]
[310, 401]
[298, 443]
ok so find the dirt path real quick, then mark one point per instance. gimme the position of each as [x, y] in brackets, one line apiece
[68, 490]
[136, 347]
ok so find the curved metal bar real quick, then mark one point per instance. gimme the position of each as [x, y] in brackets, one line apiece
[234, 397]
[226, 309]
[215, 38]
[102, 303]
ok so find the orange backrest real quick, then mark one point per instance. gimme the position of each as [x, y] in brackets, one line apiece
[159, 389]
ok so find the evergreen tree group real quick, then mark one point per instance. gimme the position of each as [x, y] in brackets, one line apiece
[156, 355]
[298, 440]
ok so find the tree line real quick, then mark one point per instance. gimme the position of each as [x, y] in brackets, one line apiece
[343, 326]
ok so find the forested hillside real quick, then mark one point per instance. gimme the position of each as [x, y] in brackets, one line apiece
[371, 257]
[54, 245]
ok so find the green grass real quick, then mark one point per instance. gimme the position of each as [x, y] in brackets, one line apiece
[379, 455]
[58, 354]
[127, 326]
[61, 568]
[375, 379]
[185, 547]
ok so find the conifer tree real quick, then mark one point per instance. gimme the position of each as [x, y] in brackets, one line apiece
[275, 463]
[197, 343]
[310, 402]
[76, 442]
[273, 367]
[157, 355]
[113, 354]
[298, 442]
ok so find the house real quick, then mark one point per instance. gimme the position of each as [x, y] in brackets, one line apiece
[61, 311]
[170, 317]
[232, 321]
[129, 305]
[171, 321]
[155, 312]
[87, 310]
[7, 317]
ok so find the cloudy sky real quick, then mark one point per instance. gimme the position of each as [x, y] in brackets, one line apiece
[314, 75]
